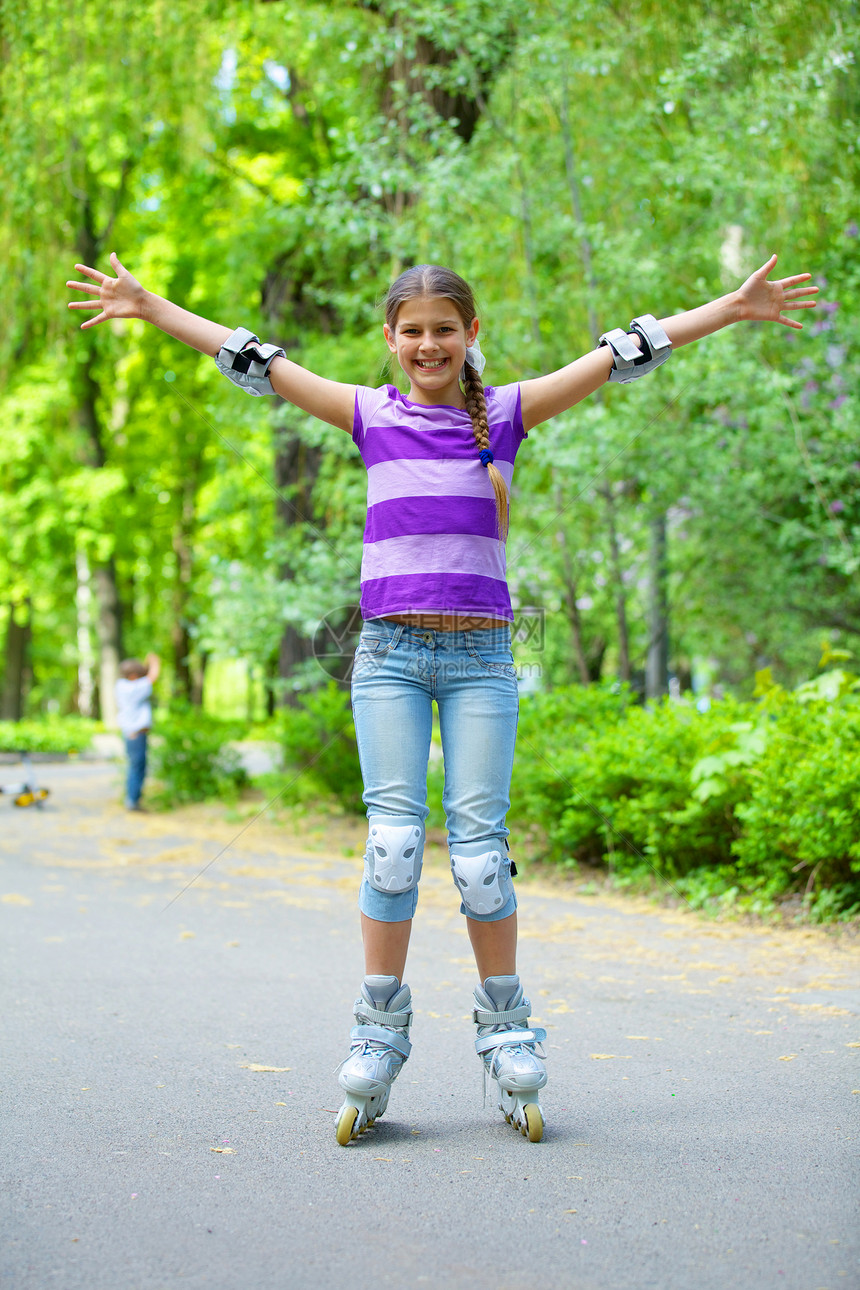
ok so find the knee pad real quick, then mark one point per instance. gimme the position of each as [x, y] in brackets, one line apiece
[482, 873]
[395, 852]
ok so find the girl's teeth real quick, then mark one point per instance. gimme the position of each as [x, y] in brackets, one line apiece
[440, 362]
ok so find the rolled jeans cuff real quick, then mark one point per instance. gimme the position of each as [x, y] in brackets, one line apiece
[387, 907]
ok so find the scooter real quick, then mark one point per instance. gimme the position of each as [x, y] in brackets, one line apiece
[26, 792]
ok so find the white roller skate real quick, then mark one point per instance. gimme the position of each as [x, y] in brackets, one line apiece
[380, 1046]
[508, 1049]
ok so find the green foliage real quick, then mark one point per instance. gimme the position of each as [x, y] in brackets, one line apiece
[274, 165]
[190, 759]
[801, 812]
[744, 799]
[320, 752]
[63, 735]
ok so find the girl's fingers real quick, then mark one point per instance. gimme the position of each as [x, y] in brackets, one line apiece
[85, 304]
[95, 274]
[801, 291]
[83, 286]
[91, 322]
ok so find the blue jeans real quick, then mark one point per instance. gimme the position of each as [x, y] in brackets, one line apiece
[398, 673]
[136, 749]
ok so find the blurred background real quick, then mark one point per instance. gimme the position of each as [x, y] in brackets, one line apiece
[274, 164]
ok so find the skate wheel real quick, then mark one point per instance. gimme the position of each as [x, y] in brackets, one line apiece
[533, 1127]
[345, 1125]
[25, 799]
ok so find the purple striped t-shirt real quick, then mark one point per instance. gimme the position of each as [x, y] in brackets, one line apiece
[431, 540]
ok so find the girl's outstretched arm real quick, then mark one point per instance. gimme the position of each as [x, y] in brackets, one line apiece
[758, 300]
[124, 297]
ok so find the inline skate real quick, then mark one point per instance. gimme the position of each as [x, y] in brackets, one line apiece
[509, 1051]
[380, 1045]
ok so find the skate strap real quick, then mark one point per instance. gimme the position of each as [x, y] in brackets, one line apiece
[482, 1017]
[382, 1035]
[501, 1038]
[369, 1013]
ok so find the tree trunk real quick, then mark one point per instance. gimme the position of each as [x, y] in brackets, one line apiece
[183, 685]
[296, 468]
[86, 654]
[198, 677]
[14, 677]
[576, 205]
[657, 663]
[586, 252]
[109, 633]
[620, 590]
[570, 599]
[108, 618]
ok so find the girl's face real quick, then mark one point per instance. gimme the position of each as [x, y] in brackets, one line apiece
[430, 341]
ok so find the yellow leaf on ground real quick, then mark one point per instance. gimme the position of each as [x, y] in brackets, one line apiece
[255, 1066]
[789, 1057]
[608, 1057]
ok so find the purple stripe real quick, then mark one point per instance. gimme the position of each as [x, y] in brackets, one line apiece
[407, 516]
[401, 443]
[435, 593]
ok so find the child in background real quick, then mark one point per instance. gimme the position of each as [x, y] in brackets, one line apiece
[134, 718]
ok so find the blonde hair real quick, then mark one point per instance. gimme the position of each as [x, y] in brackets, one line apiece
[434, 280]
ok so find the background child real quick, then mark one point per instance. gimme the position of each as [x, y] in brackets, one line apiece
[134, 717]
[437, 623]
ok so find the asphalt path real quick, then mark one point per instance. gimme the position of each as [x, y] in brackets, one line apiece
[168, 1096]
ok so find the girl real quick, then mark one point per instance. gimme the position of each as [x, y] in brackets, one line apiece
[437, 619]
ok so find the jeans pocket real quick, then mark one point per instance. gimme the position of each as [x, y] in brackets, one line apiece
[371, 654]
[374, 646]
[496, 660]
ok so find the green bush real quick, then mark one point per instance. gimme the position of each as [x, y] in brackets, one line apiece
[190, 758]
[801, 818]
[320, 752]
[741, 804]
[60, 735]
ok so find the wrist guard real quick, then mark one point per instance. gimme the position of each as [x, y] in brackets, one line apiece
[630, 362]
[246, 361]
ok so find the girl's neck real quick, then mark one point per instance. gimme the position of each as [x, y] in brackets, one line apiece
[452, 397]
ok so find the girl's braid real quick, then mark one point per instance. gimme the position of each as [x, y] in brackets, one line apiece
[476, 406]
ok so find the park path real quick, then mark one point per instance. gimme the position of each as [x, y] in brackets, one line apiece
[168, 1097]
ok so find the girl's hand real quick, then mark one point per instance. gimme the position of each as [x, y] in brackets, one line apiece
[119, 297]
[763, 301]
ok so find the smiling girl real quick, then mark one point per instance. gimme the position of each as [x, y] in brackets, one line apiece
[437, 616]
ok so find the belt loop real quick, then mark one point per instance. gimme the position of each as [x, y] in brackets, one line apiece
[398, 632]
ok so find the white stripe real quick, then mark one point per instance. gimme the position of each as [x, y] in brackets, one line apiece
[433, 553]
[388, 480]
